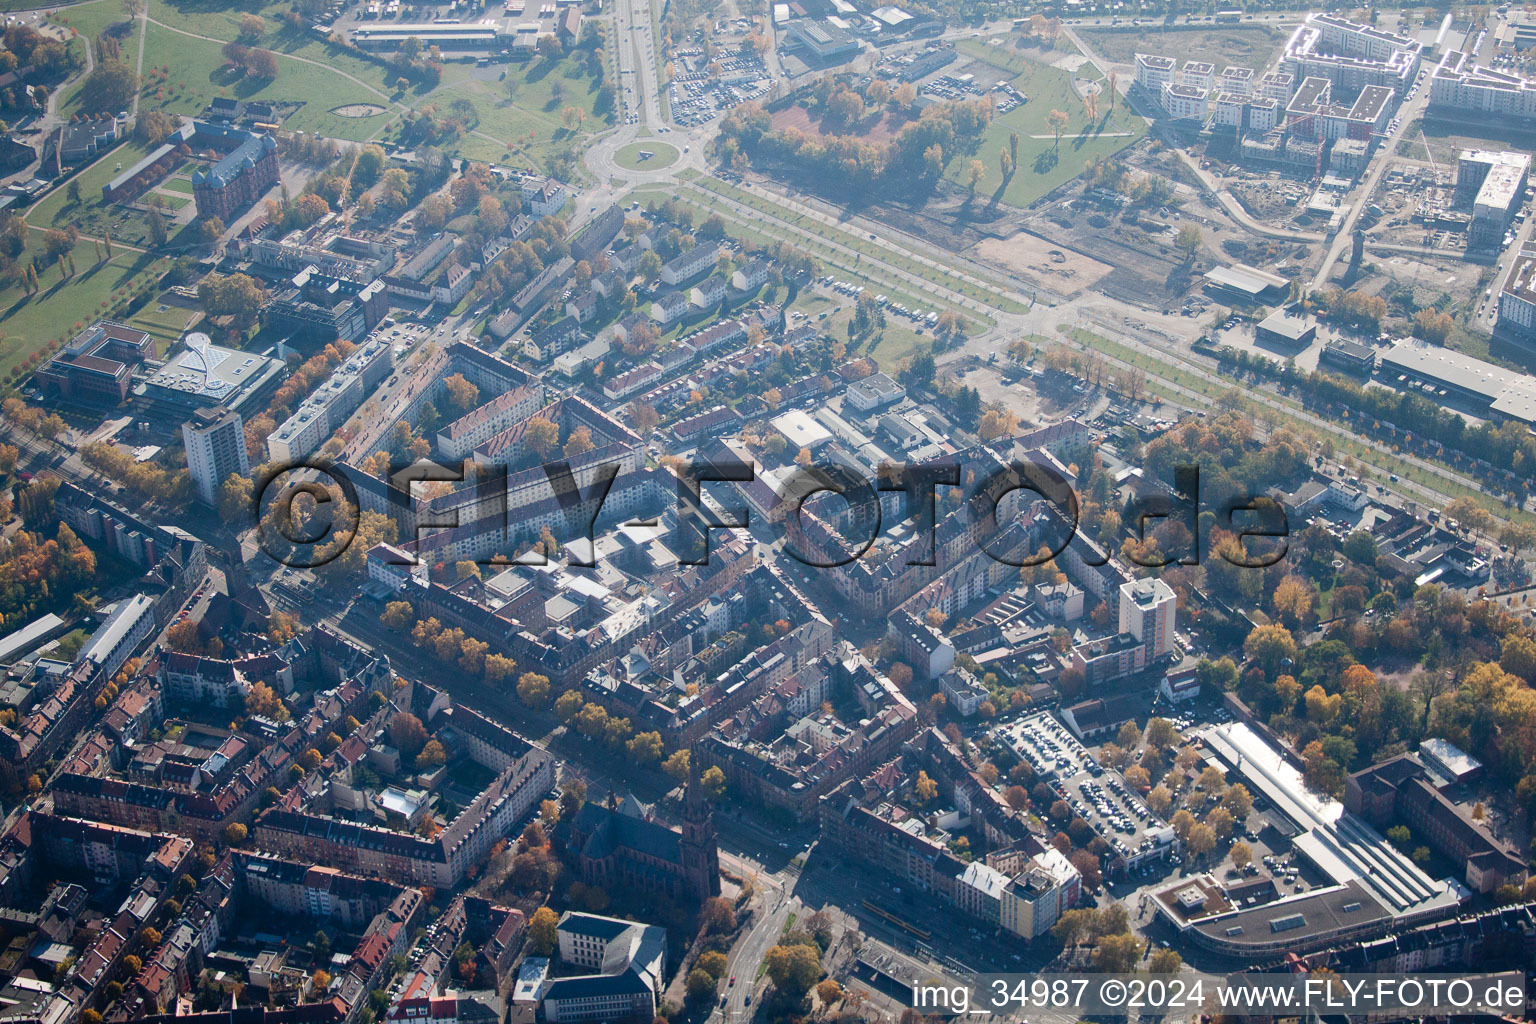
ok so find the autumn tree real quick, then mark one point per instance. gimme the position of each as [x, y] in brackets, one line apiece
[407, 734]
[1057, 121]
[579, 443]
[264, 701]
[183, 637]
[1188, 240]
[567, 704]
[543, 931]
[716, 916]
[1201, 839]
[397, 615]
[533, 689]
[462, 394]
[646, 747]
[542, 435]
[1117, 954]
[676, 765]
[793, 969]
[1161, 733]
[1270, 647]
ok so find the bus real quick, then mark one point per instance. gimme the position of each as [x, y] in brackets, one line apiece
[1229, 15]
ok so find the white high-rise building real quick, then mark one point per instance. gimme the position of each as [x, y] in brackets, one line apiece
[1146, 612]
[215, 444]
[1154, 71]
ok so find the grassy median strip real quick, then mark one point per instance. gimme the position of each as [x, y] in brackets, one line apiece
[988, 291]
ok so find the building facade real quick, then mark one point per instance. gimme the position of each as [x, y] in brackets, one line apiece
[215, 446]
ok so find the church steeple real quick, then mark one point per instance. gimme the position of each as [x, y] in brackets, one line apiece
[694, 802]
[700, 853]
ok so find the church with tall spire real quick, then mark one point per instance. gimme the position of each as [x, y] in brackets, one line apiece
[700, 852]
[620, 844]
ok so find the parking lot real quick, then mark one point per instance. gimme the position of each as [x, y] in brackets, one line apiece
[703, 89]
[919, 317]
[1098, 796]
[965, 86]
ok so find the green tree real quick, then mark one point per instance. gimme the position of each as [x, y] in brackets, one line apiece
[109, 87]
[157, 227]
[700, 984]
[368, 167]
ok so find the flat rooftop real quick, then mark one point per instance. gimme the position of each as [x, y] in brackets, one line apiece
[209, 372]
[1451, 756]
[799, 428]
[1373, 99]
[1342, 846]
[1453, 369]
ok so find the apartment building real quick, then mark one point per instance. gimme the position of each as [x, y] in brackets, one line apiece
[214, 440]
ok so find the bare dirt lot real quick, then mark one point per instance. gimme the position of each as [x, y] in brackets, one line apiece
[1019, 396]
[874, 129]
[1033, 259]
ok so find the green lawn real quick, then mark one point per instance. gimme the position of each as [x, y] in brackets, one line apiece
[29, 323]
[1044, 164]
[524, 113]
[91, 215]
[764, 203]
[196, 77]
[888, 348]
[167, 324]
[182, 185]
[91, 20]
[56, 209]
[220, 19]
[662, 155]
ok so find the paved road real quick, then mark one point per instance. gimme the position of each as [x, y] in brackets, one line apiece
[1408, 113]
[640, 94]
[774, 907]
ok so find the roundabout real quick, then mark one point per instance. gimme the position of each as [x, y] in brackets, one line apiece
[634, 156]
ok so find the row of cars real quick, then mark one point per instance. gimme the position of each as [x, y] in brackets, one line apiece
[853, 291]
[700, 94]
